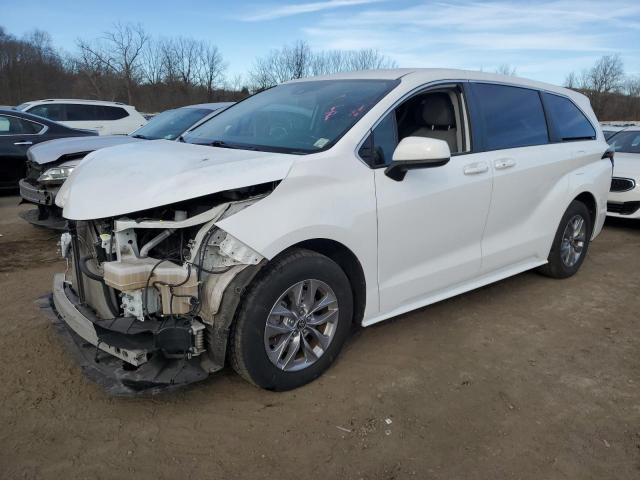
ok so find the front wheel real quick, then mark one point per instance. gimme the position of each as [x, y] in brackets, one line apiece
[571, 242]
[293, 321]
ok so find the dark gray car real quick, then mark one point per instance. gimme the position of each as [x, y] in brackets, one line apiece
[18, 132]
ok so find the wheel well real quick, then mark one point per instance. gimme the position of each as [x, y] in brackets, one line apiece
[349, 264]
[590, 202]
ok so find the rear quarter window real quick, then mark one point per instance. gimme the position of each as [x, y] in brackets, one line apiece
[111, 113]
[567, 121]
[509, 117]
[18, 126]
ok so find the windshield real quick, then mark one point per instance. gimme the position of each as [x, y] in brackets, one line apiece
[609, 133]
[22, 106]
[626, 142]
[170, 124]
[302, 117]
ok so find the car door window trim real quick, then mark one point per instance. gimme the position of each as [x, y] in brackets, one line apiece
[554, 135]
[465, 116]
[553, 138]
[479, 120]
[40, 132]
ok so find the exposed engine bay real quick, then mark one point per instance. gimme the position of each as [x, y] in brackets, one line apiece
[162, 283]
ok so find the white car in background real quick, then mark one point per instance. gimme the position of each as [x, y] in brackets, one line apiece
[316, 204]
[624, 197]
[106, 118]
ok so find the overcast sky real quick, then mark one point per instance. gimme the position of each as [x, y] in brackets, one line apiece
[543, 40]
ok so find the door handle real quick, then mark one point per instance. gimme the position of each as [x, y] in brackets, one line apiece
[475, 168]
[504, 163]
[23, 143]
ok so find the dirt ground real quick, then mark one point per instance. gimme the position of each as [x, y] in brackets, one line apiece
[530, 378]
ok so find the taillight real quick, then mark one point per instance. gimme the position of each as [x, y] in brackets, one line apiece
[608, 153]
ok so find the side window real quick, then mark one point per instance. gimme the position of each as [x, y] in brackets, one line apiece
[385, 141]
[111, 113]
[52, 111]
[77, 112]
[29, 127]
[510, 116]
[433, 114]
[377, 149]
[18, 126]
[569, 123]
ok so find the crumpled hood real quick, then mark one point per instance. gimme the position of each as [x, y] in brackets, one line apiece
[53, 150]
[626, 165]
[138, 176]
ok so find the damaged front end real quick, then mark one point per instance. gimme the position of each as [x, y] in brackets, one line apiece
[40, 187]
[148, 299]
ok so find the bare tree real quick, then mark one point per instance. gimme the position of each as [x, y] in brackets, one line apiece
[211, 68]
[287, 63]
[128, 42]
[506, 69]
[606, 75]
[43, 46]
[152, 65]
[237, 82]
[328, 62]
[366, 59]
[571, 80]
[92, 68]
[181, 59]
[119, 51]
[297, 61]
[632, 86]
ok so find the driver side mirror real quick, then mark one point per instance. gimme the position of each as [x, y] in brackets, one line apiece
[417, 152]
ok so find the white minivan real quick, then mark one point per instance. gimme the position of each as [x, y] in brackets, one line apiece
[106, 118]
[318, 204]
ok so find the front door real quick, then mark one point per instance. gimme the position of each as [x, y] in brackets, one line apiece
[430, 224]
[16, 136]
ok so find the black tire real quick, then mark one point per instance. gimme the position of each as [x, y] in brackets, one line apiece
[556, 267]
[248, 354]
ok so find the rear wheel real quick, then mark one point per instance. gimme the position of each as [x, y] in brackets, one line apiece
[293, 321]
[571, 242]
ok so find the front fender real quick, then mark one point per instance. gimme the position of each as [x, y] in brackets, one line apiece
[324, 198]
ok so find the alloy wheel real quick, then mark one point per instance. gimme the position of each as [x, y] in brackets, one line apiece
[573, 241]
[301, 325]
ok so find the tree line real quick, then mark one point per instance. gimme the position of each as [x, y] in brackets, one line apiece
[129, 65]
[613, 94]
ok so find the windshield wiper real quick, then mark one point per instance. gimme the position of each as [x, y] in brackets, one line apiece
[237, 146]
[137, 135]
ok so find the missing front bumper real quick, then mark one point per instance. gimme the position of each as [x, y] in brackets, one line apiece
[131, 369]
[39, 196]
